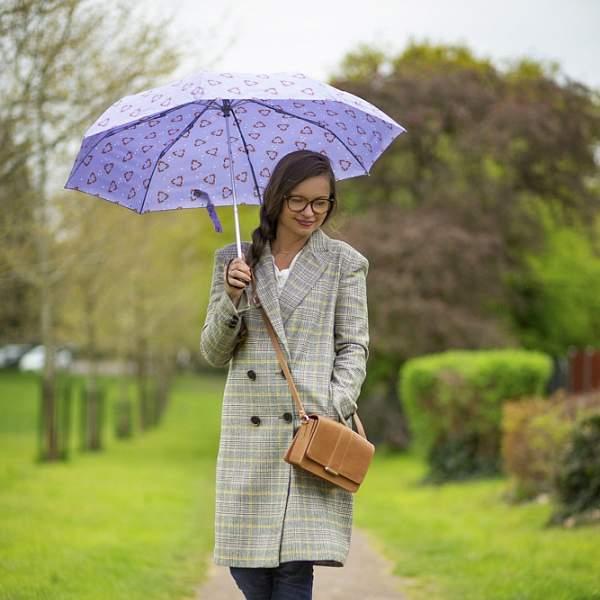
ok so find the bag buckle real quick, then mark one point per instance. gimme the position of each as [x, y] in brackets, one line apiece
[331, 471]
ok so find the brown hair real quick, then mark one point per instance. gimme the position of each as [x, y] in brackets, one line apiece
[291, 170]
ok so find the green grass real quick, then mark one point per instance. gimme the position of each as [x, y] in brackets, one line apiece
[134, 521]
[462, 541]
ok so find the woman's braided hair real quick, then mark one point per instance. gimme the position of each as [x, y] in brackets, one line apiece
[291, 170]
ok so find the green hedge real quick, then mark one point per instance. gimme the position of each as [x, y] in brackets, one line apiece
[453, 402]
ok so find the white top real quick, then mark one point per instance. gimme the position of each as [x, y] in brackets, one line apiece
[283, 274]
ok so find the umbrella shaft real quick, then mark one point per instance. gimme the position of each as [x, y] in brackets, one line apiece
[227, 113]
[237, 228]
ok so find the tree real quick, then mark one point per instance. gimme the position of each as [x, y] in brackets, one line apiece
[140, 287]
[17, 296]
[432, 285]
[487, 152]
[510, 137]
[68, 59]
[562, 287]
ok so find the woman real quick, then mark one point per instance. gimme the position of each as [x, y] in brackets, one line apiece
[274, 521]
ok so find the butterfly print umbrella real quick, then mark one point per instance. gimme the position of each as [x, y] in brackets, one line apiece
[212, 139]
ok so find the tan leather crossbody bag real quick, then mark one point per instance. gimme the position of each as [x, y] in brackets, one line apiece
[322, 446]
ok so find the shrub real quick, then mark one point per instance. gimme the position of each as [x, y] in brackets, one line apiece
[552, 445]
[453, 402]
[578, 478]
[534, 433]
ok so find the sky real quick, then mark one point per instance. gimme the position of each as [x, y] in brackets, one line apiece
[312, 36]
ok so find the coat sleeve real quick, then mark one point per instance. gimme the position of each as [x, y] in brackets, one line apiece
[351, 337]
[223, 319]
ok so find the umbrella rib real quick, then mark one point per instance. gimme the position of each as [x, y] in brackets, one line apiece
[247, 155]
[321, 125]
[167, 148]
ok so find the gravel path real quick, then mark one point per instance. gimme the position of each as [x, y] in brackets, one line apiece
[366, 576]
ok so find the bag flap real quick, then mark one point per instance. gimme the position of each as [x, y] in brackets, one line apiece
[336, 446]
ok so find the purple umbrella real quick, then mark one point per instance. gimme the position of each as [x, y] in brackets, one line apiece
[212, 139]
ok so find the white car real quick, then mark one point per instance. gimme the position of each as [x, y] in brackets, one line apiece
[12, 353]
[34, 359]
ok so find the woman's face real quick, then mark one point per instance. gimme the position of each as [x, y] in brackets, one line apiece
[302, 224]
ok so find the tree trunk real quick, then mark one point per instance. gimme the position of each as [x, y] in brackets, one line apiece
[50, 450]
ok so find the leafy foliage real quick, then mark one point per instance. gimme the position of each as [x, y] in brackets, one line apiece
[578, 479]
[535, 431]
[558, 291]
[458, 216]
[453, 402]
[432, 285]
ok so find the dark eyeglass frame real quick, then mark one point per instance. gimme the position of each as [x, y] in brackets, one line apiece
[331, 201]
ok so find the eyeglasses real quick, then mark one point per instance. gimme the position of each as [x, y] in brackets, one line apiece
[319, 205]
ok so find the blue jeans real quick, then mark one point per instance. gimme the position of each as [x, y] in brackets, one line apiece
[289, 581]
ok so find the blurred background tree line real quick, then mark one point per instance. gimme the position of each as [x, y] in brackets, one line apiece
[74, 270]
[480, 224]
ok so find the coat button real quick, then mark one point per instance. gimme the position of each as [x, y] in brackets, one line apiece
[288, 417]
[255, 420]
[251, 374]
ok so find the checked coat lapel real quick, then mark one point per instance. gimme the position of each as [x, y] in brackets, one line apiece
[306, 272]
[266, 291]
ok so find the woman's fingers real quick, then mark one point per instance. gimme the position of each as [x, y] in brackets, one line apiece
[238, 274]
[241, 267]
[236, 282]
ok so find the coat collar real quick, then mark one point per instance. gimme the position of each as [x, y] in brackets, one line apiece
[308, 268]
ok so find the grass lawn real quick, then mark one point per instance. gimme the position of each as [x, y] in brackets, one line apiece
[461, 541]
[134, 521]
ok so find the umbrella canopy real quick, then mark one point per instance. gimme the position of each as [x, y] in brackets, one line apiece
[213, 139]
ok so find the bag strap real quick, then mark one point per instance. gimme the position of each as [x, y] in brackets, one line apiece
[286, 371]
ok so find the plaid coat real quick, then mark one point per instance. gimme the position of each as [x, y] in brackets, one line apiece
[267, 511]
